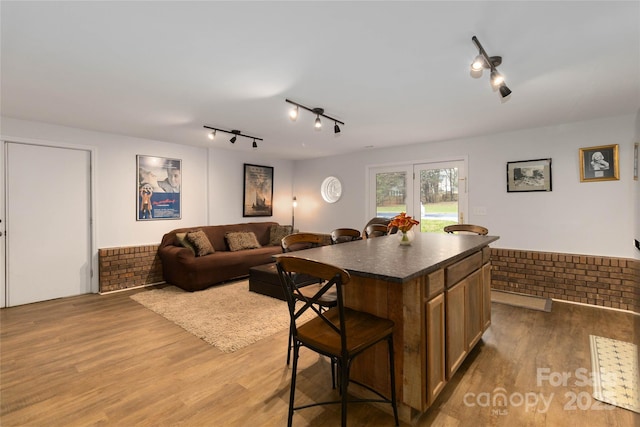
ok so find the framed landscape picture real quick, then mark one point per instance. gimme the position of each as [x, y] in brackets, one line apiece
[529, 175]
[158, 188]
[599, 163]
[258, 191]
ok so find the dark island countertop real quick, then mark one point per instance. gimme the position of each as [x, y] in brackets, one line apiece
[383, 258]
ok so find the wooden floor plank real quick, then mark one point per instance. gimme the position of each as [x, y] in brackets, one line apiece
[106, 360]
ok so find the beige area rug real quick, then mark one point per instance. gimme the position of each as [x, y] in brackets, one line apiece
[520, 300]
[615, 372]
[227, 316]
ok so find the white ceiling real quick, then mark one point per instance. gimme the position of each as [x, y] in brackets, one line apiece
[394, 72]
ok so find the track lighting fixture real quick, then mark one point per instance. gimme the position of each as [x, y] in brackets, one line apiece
[293, 114]
[235, 133]
[490, 62]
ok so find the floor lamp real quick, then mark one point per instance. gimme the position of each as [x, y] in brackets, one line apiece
[293, 212]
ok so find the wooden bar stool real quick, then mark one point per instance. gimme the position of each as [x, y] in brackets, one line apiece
[342, 235]
[327, 333]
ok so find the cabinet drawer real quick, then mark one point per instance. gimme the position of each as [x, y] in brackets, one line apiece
[434, 284]
[462, 269]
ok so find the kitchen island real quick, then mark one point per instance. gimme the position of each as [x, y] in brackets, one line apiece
[438, 293]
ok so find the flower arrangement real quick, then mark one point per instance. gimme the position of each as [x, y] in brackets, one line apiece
[403, 222]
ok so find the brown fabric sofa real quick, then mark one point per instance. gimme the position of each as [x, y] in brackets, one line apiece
[183, 269]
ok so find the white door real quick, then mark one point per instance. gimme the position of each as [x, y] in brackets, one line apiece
[48, 224]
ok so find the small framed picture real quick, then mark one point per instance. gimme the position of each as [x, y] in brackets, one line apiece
[529, 175]
[599, 163]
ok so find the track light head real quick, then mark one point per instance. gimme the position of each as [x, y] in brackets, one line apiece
[255, 144]
[478, 63]
[293, 113]
[496, 78]
[212, 135]
[318, 124]
[504, 90]
[336, 128]
[235, 133]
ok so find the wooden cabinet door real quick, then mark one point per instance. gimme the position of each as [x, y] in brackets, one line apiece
[473, 320]
[456, 340]
[486, 296]
[436, 374]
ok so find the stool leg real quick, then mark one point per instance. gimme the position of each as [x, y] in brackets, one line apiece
[392, 367]
[292, 392]
[290, 343]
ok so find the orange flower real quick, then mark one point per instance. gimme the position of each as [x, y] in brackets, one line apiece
[403, 222]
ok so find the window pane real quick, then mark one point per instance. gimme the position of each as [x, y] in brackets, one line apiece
[438, 199]
[391, 193]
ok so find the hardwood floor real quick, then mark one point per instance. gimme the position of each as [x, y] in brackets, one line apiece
[108, 361]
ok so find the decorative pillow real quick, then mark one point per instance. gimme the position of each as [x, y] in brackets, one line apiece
[277, 232]
[201, 242]
[182, 240]
[240, 240]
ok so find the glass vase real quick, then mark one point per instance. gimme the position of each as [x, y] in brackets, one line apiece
[405, 237]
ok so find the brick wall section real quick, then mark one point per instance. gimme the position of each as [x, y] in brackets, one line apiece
[603, 281]
[596, 280]
[128, 267]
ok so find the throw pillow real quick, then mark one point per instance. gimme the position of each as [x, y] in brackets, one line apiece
[277, 232]
[240, 240]
[201, 242]
[182, 240]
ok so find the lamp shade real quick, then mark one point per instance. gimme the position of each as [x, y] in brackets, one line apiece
[504, 90]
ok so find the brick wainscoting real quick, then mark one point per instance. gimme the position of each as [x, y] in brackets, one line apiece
[596, 280]
[603, 281]
[129, 267]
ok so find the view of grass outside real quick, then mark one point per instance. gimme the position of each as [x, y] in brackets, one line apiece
[437, 225]
[426, 225]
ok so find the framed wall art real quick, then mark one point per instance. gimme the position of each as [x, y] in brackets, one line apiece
[599, 163]
[158, 188]
[529, 175]
[258, 191]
